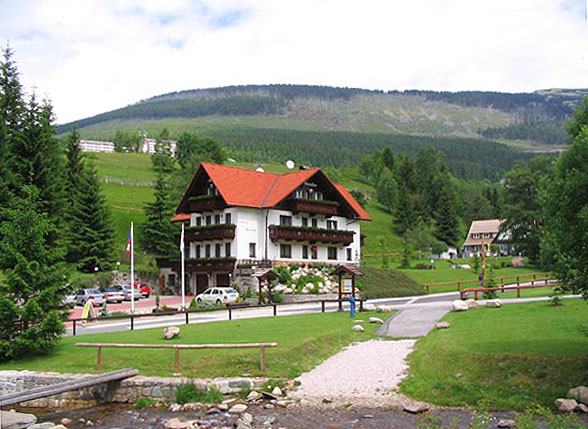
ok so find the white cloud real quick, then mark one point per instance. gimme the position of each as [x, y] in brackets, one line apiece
[92, 56]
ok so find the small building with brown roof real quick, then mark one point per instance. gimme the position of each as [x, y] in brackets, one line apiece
[237, 217]
[486, 232]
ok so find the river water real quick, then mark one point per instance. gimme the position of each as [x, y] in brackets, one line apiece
[124, 416]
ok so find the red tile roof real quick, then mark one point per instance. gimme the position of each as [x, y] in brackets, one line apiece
[248, 188]
[180, 216]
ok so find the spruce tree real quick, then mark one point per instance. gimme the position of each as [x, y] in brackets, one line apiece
[90, 231]
[406, 214]
[158, 233]
[446, 214]
[35, 279]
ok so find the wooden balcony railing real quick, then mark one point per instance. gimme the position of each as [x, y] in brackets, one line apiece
[296, 233]
[204, 203]
[313, 206]
[210, 232]
[202, 265]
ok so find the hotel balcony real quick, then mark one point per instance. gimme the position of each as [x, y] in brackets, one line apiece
[295, 233]
[205, 203]
[200, 265]
[210, 232]
[324, 207]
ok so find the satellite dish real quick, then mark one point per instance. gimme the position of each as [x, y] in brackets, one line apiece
[260, 170]
[290, 164]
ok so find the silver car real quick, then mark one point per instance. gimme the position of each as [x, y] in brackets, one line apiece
[114, 294]
[93, 295]
[218, 295]
[129, 294]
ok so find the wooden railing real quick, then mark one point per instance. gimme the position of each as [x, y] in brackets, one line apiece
[501, 280]
[210, 232]
[478, 290]
[323, 235]
[177, 348]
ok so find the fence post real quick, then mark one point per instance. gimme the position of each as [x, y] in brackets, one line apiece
[340, 304]
[476, 295]
[74, 327]
[177, 360]
[99, 359]
[132, 322]
[322, 306]
[230, 314]
[275, 310]
[262, 358]
[458, 286]
[361, 305]
[518, 281]
[427, 287]
[187, 320]
[518, 292]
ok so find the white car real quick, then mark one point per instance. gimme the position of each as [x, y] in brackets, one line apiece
[93, 295]
[218, 295]
[129, 295]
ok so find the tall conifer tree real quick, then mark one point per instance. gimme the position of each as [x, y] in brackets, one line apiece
[158, 232]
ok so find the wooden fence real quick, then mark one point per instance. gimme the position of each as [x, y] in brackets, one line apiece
[501, 280]
[177, 348]
[477, 290]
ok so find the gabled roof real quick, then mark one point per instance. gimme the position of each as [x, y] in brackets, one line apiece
[180, 217]
[491, 226]
[248, 188]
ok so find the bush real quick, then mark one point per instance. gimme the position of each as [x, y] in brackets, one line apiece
[188, 392]
[145, 402]
[556, 296]
[248, 293]
[193, 304]
[283, 272]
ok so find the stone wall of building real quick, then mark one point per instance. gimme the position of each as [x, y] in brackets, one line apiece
[128, 390]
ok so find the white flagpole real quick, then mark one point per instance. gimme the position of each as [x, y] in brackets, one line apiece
[183, 268]
[132, 270]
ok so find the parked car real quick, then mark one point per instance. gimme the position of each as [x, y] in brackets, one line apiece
[69, 299]
[144, 289]
[93, 295]
[114, 294]
[129, 294]
[218, 295]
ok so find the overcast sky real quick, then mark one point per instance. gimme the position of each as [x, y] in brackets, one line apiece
[90, 56]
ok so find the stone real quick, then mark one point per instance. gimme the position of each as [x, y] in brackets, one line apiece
[459, 305]
[268, 395]
[277, 391]
[565, 405]
[376, 320]
[581, 408]
[89, 423]
[269, 406]
[383, 309]
[369, 307]
[229, 401]
[358, 321]
[238, 409]
[580, 394]
[442, 325]
[415, 407]
[176, 423]
[472, 303]
[46, 425]
[506, 423]
[171, 332]
[65, 421]
[284, 404]
[493, 303]
[14, 420]
[223, 407]
[358, 328]
[213, 410]
[253, 396]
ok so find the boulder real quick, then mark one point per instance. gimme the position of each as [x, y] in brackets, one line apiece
[472, 303]
[581, 408]
[171, 332]
[277, 391]
[416, 407]
[369, 307]
[376, 320]
[238, 409]
[358, 328]
[506, 423]
[580, 394]
[14, 420]
[565, 405]
[253, 396]
[65, 421]
[442, 325]
[493, 303]
[459, 305]
[383, 309]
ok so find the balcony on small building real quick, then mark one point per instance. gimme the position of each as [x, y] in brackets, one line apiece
[210, 232]
[205, 203]
[296, 233]
[304, 205]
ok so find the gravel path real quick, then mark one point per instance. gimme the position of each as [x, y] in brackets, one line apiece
[368, 370]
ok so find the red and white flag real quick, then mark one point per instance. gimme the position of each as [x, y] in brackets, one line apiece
[129, 241]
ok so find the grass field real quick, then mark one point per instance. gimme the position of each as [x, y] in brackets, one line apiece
[127, 166]
[303, 342]
[512, 358]
[386, 283]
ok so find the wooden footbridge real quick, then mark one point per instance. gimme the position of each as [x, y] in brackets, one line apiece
[66, 386]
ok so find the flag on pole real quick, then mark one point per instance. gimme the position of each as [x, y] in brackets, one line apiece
[182, 239]
[129, 241]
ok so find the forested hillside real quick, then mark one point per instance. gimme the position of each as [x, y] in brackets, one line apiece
[534, 116]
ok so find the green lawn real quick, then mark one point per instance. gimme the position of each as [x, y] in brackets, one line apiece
[303, 342]
[127, 166]
[512, 358]
[386, 283]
